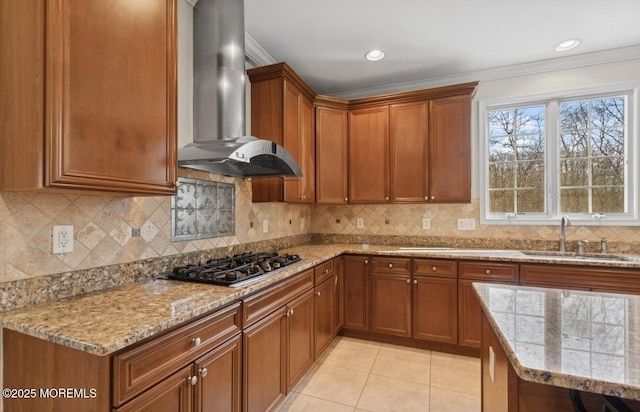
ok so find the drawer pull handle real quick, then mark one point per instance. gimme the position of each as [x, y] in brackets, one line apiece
[487, 272]
[434, 268]
[203, 372]
[196, 341]
[326, 271]
[192, 380]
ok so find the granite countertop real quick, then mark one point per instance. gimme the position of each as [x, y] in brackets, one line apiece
[572, 339]
[104, 322]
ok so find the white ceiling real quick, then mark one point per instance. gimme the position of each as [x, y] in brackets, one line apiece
[431, 43]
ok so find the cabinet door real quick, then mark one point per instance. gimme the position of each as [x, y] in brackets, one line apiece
[111, 96]
[469, 315]
[324, 314]
[450, 149]
[355, 292]
[264, 357]
[409, 151]
[331, 156]
[369, 155]
[174, 394]
[300, 350]
[338, 291]
[391, 304]
[435, 309]
[220, 378]
[299, 142]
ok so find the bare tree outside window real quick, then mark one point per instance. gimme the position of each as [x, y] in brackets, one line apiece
[516, 160]
[592, 156]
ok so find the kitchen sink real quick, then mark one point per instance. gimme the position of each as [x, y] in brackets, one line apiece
[574, 255]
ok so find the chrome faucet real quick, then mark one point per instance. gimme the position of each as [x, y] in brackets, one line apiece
[563, 222]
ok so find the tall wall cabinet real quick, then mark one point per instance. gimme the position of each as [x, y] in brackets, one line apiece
[88, 96]
[282, 111]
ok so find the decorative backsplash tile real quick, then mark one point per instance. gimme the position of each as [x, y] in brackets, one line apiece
[202, 209]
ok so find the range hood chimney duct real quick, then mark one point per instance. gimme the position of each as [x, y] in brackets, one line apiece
[219, 142]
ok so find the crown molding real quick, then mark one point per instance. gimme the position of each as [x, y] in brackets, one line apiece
[255, 54]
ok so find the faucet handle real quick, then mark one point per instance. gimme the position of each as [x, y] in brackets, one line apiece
[581, 245]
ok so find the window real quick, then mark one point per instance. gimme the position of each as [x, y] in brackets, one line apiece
[572, 155]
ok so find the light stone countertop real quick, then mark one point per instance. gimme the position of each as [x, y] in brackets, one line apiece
[104, 322]
[572, 339]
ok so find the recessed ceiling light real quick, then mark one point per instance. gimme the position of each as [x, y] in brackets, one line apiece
[567, 45]
[374, 55]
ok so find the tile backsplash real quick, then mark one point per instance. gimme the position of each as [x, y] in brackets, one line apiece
[103, 226]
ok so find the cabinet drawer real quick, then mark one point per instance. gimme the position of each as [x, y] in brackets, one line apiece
[391, 265]
[435, 267]
[323, 271]
[489, 271]
[262, 303]
[143, 366]
[579, 277]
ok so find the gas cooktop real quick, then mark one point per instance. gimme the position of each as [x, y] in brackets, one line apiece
[235, 271]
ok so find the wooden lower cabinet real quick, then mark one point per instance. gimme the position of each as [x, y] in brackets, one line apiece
[435, 309]
[324, 319]
[391, 303]
[338, 292]
[356, 269]
[278, 350]
[469, 315]
[174, 394]
[264, 380]
[220, 378]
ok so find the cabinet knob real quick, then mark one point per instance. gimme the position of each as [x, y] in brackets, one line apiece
[426, 197]
[366, 262]
[487, 272]
[433, 197]
[192, 380]
[196, 341]
[346, 199]
[390, 265]
[203, 372]
[415, 281]
[434, 268]
[408, 281]
[386, 198]
[291, 310]
[318, 293]
[326, 271]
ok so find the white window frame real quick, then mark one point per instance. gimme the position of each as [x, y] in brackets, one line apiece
[551, 101]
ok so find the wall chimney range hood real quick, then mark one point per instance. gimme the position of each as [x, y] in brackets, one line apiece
[219, 142]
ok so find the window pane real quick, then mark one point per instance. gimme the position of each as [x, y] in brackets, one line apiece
[501, 201]
[574, 201]
[607, 171]
[607, 142]
[574, 115]
[531, 175]
[531, 201]
[574, 143]
[531, 147]
[607, 112]
[501, 149]
[501, 175]
[530, 120]
[574, 172]
[608, 200]
[501, 122]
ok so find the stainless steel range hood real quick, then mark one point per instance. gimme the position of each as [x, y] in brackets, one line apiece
[219, 142]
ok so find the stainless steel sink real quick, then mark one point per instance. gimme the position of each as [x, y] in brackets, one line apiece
[574, 255]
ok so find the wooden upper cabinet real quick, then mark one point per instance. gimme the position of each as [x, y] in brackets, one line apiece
[409, 152]
[331, 151]
[89, 96]
[282, 111]
[450, 149]
[369, 155]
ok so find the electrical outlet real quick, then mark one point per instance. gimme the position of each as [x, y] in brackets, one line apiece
[265, 226]
[62, 239]
[360, 223]
[426, 223]
[466, 224]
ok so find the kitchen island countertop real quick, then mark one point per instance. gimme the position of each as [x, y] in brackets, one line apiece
[579, 340]
[104, 322]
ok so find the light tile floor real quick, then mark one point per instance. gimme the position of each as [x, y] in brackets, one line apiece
[359, 375]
